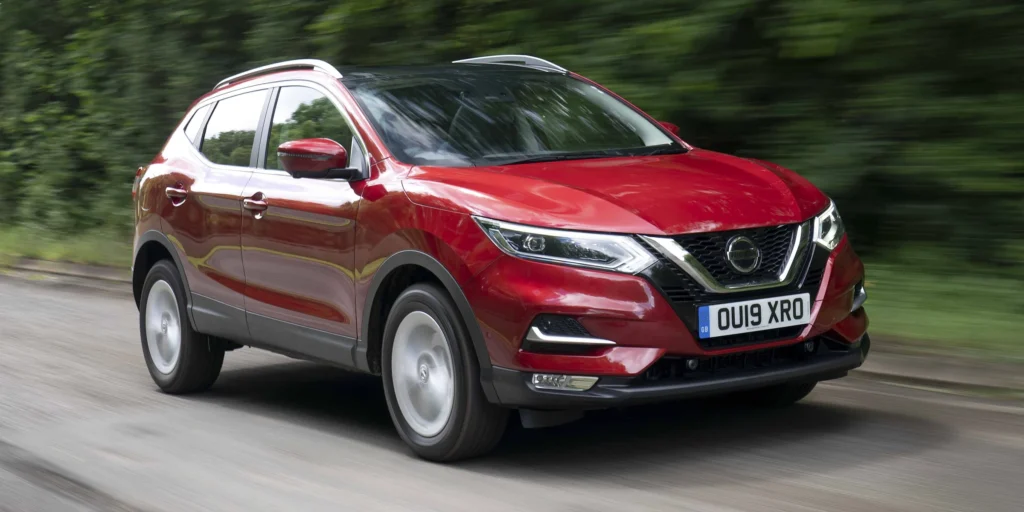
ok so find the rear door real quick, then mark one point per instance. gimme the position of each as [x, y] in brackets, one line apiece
[205, 216]
[298, 234]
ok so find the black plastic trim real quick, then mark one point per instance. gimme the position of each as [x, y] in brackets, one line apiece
[160, 238]
[422, 259]
[259, 144]
[514, 388]
[300, 341]
[213, 317]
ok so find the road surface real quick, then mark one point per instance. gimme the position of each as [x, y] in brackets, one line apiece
[82, 427]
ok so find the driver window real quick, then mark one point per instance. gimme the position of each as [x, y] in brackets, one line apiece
[305, 113]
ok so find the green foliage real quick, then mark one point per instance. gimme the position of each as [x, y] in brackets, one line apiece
[907, 111]
[230, 148]
[319, 118]
[971, 313]
[96, 246]
[316, 119]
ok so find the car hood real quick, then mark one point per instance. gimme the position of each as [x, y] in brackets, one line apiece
[667, 194]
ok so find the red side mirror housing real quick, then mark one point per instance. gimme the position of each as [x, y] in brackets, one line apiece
[312, 158]
[670, 127]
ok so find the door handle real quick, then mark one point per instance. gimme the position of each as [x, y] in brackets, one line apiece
[256, 204]
[176, 194]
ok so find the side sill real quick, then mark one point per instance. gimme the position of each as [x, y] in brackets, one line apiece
[301, 342]
[219, 319]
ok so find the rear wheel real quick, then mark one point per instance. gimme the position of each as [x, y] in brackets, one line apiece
[432, 382]
[180, 360]
[781, 395]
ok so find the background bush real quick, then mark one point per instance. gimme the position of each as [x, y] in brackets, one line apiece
[909, 112]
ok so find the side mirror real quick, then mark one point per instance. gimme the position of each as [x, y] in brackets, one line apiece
[670, 127]
[316, 159]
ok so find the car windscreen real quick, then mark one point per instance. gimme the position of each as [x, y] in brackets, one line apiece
[503, 118]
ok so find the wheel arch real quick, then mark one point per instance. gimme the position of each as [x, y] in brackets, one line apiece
[153, 246]
[404, 268]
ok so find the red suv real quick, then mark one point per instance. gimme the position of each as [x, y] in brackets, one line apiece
[493, 234]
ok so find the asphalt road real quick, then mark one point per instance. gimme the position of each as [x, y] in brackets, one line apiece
[82, 427]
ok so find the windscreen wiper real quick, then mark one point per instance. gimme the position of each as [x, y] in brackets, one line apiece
[659, 150]
[646, 151]
[560, 157]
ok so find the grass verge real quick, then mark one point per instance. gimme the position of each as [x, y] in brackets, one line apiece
[978, 314]
[99, 247]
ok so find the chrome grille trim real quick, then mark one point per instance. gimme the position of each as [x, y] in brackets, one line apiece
[689, 264]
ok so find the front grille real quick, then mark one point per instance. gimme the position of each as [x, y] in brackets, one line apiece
[710, 250]
[813, 279]
[686, 295]
[675, 368]
[687, 291]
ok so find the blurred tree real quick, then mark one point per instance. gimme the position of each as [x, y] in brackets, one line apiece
[230, 148]
[907, 111]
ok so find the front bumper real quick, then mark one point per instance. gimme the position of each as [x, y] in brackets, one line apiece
[831, 360]
[642, 317]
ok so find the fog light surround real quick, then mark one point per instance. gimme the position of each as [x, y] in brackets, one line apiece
[860, 296]
[563, 382]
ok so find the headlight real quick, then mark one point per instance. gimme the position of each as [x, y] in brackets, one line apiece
[828, 227]
[592, 250]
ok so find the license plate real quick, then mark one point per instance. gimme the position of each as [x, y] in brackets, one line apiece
[754, 315]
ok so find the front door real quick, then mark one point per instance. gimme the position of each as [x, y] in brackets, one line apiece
[204, 216]
[297, 238]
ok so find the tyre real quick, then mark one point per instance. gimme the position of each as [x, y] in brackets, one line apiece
[781, 395]
[179, 359]
[432, 380]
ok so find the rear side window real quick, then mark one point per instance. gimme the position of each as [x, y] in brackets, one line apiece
[195, 125]
[232, 129]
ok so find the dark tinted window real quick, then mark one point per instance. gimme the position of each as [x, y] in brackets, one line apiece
[304, 113]
[232, 129]
[494, 118]
[195, 124]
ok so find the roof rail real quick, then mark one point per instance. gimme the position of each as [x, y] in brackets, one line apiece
[314, 64]
[517, 60]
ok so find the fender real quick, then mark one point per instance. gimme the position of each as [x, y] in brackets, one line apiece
[160, 238]
[422, 259]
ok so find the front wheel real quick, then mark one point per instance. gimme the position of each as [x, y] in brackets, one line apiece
[179, 359]
[432, 382]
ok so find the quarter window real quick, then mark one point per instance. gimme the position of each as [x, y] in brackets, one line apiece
[232, 129]
[304, 113]
[195, 125]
